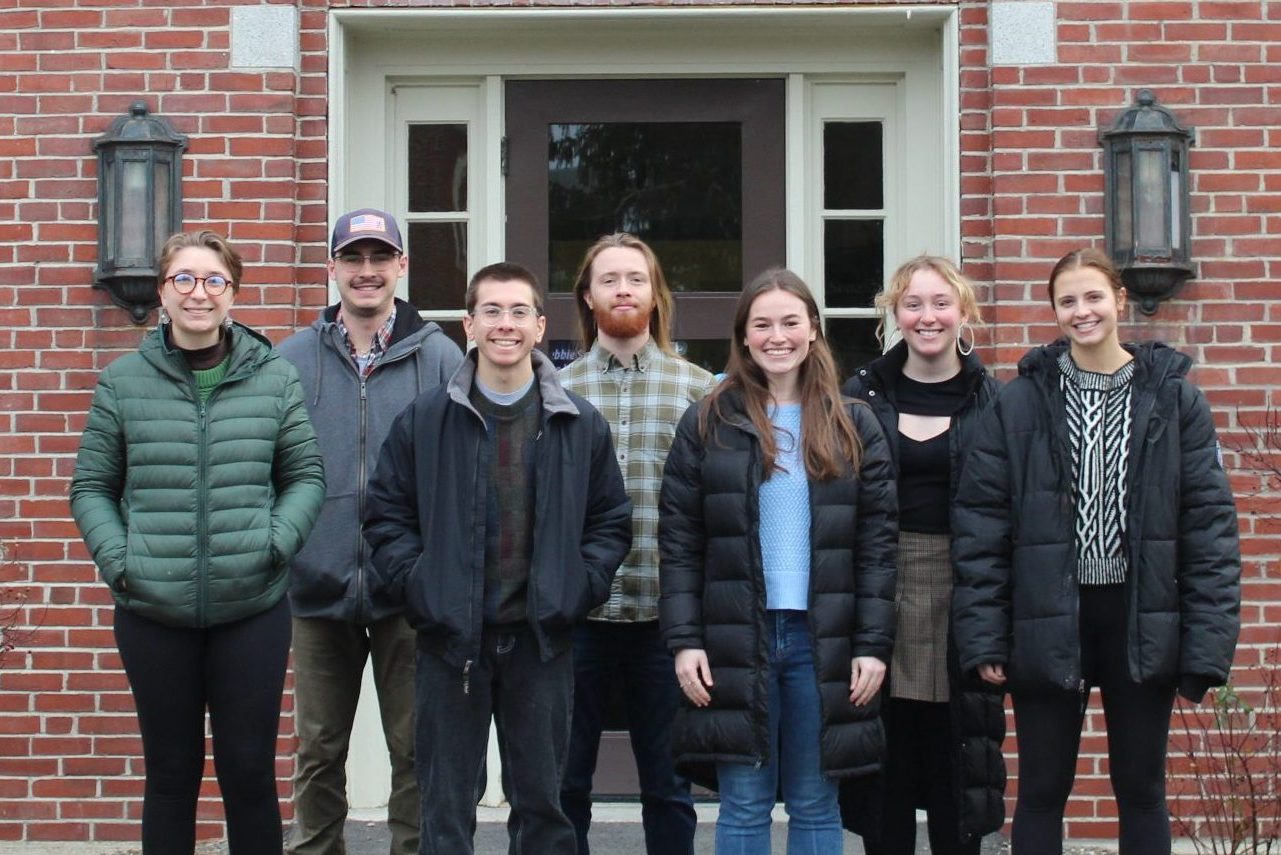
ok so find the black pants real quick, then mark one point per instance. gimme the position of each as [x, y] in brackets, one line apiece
[919, 773]
[237, 671]
[530, 702]
[635, 654]
[1138, 725]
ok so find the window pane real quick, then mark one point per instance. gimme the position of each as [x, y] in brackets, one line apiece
[852, 165]
[677, 185]
[437, 265]
[854, 259]
[437, 167]
[853, 342]
[454, 329]
[711, 354]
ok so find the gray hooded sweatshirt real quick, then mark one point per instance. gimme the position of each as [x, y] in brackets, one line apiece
[351, 417]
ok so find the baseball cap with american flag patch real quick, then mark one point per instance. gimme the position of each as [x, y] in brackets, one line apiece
[366, 224]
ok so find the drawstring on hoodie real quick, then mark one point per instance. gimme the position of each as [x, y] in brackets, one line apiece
[320, 374]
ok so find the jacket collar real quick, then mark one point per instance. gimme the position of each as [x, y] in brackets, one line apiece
[246, 349]
[880, 373]
[1154, 361]
[407, 322]
[606, 361]
[555, 399]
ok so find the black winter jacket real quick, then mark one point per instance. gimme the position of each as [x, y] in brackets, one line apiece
[713, 591]
[976, 710]
[425, 518]
[1016, 599]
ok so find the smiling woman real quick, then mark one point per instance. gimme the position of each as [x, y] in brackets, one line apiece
[202, 435]
[198, 290]
[1096, 546]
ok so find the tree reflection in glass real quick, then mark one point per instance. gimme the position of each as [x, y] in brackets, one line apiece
[677, 185]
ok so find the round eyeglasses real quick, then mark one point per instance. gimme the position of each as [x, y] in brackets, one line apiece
[185, 283]
[491, 315]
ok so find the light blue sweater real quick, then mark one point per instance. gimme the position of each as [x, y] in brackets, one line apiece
[785, 517]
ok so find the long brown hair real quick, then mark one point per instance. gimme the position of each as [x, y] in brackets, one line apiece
[830, 444]
[660, 320]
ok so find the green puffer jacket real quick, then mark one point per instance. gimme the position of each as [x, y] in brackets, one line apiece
[192, 513]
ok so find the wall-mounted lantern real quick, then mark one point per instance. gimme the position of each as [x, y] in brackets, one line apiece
[139, 206]
[1145, 171]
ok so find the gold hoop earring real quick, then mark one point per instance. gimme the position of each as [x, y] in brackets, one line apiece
[960, 339]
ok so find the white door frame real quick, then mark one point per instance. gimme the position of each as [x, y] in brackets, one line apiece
[372, 51]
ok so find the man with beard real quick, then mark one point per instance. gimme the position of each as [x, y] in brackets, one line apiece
[361, 362]
[632, 374]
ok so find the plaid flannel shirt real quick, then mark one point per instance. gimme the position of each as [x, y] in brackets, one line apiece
[377, 347]
[642, 403]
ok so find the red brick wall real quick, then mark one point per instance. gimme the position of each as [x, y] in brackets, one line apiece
[255, 170]
[1031, 189]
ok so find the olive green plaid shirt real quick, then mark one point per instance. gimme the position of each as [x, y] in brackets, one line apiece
[642, 403]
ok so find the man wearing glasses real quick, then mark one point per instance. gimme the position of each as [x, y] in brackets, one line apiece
[498, 512]
[361, 362]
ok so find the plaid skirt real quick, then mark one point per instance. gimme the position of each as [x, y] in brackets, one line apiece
[923, 599]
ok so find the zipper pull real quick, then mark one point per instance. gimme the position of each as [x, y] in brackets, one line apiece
[467, 677]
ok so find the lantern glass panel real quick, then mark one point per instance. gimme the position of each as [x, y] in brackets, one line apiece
[1124, 212]
[109, 201]
[1176, 202]
[133, 211]
[161, 220]
[1151, 185]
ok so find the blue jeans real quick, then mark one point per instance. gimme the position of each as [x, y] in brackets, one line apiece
[529, 700]
[748, 793]
[636, 654]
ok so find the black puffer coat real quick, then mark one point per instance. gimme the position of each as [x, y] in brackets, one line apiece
[976, 710]
[713, 591]
[1016, 599]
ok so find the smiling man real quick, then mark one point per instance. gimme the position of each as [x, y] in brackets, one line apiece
[361, 363]
[633, 375]
[498, 514]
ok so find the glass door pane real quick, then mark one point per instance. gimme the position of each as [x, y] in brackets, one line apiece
[693, 167]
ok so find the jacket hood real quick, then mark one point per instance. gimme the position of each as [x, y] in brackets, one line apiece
[1154, 359]
[880, 373]
[248, 349]
[554, 397]
[407, 320]
[408, 334]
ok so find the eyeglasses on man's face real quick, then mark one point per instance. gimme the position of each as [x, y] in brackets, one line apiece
[185, 283]
[356, 260]
[490, 315]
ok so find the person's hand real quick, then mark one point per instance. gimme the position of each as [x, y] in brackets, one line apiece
[866, 675]
[992, 672]
[694, 675]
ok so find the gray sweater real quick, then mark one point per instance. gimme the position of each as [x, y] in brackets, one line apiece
[351, 419]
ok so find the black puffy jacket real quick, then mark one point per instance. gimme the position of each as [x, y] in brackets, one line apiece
[713, 591]
[1016, 599]
[976, 711]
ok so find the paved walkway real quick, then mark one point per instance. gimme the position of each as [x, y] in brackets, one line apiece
[615, 831]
